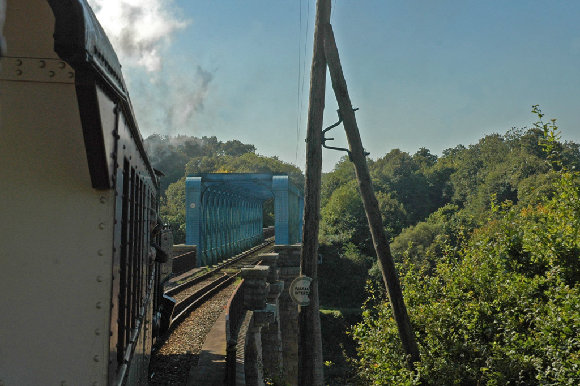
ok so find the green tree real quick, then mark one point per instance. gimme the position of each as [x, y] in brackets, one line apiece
[173, 210]
[507, 312]
[342, 174]
[503, 308]
[398, 173]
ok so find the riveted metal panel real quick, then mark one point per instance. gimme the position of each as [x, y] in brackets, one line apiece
[59, 251]
[36, 70]
[55, 280]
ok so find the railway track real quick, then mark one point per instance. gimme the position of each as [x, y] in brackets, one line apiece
[191, 293]
[200, 300]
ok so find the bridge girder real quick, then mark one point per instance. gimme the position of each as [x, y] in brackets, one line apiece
[224, 212]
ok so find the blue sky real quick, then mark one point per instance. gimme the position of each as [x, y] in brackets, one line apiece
[423, 73]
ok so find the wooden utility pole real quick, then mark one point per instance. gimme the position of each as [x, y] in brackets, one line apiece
[357, 153]
[310, 343]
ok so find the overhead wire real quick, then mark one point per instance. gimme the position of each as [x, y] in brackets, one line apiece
[298, 98]
[302, 45]
[303, 40]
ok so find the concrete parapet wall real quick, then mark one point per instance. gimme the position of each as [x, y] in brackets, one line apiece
[267, 341]
[271, 334]
[185, 258]
[268, 232]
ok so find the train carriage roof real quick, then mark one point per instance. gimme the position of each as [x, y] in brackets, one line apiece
[80, 40]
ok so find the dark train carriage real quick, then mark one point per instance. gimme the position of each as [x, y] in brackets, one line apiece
[80, 273]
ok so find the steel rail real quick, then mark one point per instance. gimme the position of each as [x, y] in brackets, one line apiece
[199, 297]
[181, 287]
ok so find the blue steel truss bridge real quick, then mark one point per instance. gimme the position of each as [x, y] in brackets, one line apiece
[224, 212]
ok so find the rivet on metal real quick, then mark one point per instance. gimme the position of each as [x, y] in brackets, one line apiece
[100, 252]
[19, 62]
[51, 74]
[103, 200]
[99, 306]
[42, 64]
[102, 226]
[63, 383]
[71, 74]
[18, 72]
[61, 65]
[99, 279]
[96, 358]
[97, 332]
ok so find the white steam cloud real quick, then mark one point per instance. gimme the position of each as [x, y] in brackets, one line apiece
[138, 29]
[171, 104]
[169, 98]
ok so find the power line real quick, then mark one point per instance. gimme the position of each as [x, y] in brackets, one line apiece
[298, 97]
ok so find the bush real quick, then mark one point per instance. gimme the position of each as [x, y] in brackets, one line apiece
[506, 312]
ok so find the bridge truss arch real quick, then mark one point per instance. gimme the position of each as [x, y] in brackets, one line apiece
[224, 212]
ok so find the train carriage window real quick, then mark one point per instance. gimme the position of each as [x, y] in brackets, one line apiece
[133, 243]
[124, 274]
[137, 202]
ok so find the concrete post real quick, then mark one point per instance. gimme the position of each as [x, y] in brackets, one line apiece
[271, 335]
[255, 295]
[289, 263]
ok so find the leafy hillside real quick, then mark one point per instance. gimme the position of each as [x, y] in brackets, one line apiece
[492, 278]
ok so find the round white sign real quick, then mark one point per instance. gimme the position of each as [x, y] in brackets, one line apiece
[300, 290]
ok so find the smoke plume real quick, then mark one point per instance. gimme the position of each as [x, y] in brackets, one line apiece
[171, 104]
[167, 97]
[138, 29]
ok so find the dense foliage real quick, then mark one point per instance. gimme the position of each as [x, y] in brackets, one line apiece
[429, 202]
[492, 279]
[506, 310]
